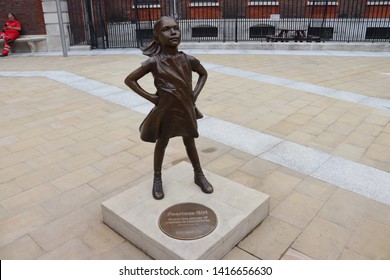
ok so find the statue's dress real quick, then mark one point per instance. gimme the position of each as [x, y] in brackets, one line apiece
[175, 113]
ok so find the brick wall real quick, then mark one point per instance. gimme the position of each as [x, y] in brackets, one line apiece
[28, 12]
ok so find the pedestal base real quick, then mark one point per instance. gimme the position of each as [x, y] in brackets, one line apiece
[134, 214]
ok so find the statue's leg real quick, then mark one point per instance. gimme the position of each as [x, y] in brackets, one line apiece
[159, 151]
[199, 177]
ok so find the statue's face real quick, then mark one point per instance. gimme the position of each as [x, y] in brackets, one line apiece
[169, 33]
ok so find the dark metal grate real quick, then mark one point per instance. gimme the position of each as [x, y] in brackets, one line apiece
[325, 33]
[378, 33]
[204, 31]
[261, 31]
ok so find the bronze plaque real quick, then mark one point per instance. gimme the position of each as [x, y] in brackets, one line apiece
[188, 221]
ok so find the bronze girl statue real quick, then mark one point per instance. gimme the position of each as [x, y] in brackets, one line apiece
[174, 113]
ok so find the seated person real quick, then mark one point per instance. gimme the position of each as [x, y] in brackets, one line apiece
[11, 32]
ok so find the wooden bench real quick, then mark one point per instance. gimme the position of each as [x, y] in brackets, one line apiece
[31, 40]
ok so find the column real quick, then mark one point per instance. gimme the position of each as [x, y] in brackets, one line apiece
[52, 24]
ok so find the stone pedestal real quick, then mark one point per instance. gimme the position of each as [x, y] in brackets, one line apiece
[134, 214]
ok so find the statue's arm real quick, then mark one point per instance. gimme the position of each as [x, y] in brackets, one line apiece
[132, 82]
[201, 71]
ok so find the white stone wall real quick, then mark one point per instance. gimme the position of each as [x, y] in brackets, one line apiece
[52, 24]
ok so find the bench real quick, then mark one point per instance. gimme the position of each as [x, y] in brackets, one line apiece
[309, 38]
[31, 40]
[296, 35]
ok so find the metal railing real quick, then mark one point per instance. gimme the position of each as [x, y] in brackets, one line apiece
[129, 23]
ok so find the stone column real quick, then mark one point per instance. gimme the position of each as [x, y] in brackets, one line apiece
[52, 24]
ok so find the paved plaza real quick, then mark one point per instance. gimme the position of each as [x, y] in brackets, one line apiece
[308, 128]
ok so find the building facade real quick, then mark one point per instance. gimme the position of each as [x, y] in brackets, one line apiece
[129, 23]
[40, 17]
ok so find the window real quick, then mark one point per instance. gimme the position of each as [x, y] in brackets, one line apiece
[378, 3]
[144, 34]
[146, 3]
[378, 33]
[261, 31]
[322, 3]
[325, 33]
[204, 3]
[263, 3]
[204, 31]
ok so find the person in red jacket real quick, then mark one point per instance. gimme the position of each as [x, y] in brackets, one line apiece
[11, 32]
